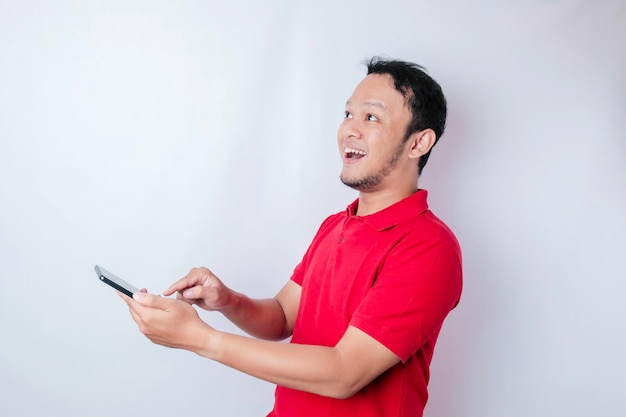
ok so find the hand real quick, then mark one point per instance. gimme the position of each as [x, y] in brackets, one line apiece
[167, 322]
[202, 288]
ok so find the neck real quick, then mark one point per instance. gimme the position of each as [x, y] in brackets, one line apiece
[372, 202]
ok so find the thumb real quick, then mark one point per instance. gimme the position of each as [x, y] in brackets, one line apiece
[149, 300]
[194, 293]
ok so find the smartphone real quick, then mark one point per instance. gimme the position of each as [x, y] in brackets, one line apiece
[115, 282]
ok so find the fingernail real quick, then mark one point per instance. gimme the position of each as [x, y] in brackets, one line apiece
[139, 296]
[188, 294]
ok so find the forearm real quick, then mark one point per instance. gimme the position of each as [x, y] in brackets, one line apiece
[337, 371]
[316, 369]
[264, 318]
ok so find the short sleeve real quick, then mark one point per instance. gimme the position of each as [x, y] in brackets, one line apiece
[298, 276]
[417, 286]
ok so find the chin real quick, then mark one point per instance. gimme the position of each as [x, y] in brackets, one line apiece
[366, 183]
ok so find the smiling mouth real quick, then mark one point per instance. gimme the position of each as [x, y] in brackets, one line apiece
[353, 154]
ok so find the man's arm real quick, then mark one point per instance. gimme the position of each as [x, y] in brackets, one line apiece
[269, 319]
[338, 371]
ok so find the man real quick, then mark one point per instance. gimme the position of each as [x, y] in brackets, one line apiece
[366, 304]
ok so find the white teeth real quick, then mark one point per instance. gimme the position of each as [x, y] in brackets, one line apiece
[356, 151]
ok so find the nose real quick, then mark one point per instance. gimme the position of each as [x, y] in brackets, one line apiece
[349, 129]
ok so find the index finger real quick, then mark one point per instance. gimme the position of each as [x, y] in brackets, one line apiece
[194, 277]
[179, 285]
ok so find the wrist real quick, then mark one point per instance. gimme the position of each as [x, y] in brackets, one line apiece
[233, 300]
[205, 342]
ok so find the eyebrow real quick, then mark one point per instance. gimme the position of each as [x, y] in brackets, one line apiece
[371, 103]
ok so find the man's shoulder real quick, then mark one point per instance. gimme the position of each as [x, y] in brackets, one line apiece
[428, 228]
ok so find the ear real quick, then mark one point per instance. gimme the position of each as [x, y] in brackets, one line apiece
[421, 143]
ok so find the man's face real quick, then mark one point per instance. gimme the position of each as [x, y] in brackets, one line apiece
[371, 134]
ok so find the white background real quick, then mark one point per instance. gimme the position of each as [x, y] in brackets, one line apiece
[153, 136]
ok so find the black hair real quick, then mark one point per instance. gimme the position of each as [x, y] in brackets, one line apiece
[423, 96]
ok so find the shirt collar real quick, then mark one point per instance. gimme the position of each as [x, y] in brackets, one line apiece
[398, 212]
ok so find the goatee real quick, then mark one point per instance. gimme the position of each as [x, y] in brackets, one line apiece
[371, 181]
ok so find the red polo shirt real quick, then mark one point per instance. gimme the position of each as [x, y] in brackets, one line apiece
[395, 275]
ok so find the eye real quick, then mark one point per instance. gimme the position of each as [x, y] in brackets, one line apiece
[348, 115]
[372, 118]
